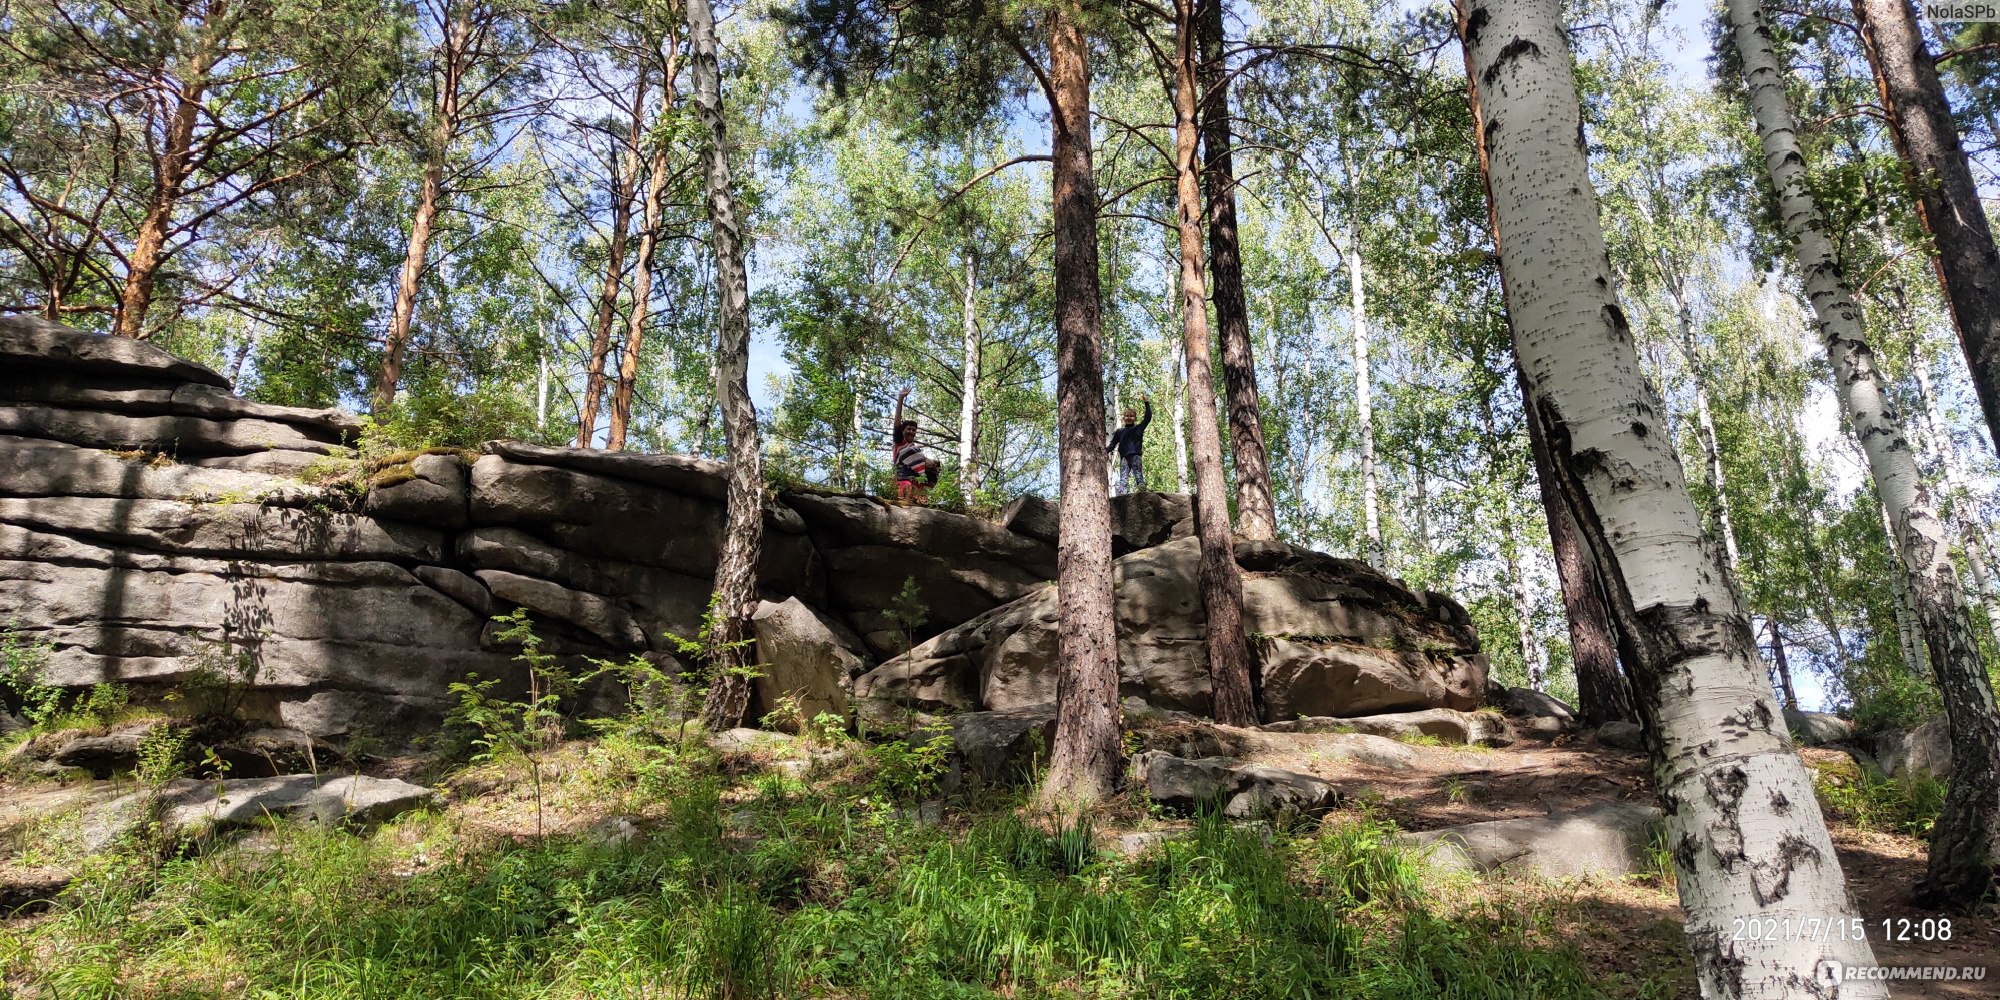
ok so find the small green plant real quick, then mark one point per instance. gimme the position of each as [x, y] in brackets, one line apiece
[1906, 804]
[513, 728]
[909, 612]
[220, 675]
[1419, 739]
[712, 658]
[911, 770]
[162, 756]
[1454, 789]
[23, 662]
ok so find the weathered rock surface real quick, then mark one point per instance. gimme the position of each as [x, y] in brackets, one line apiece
[188, 806]
[1006, 658]
[804, 661]
[1138, 520]
[153, 526]
[1536, 712]
[1621, 734]
[1923, 751]
[1000, 746]
[435, 493]
[1445, 724]
[1608, 840]
[1243, 791]
[1816, 729]
[36, 342]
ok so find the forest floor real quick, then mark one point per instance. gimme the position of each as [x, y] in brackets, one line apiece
[815, 868]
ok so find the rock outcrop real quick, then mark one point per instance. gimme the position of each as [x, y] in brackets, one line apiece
[1331, 637]
[155, 528]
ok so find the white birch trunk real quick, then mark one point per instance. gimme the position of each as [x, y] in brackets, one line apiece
[1364, 405]
[1745, 831]
[1899, 589]
[1966, 837]
[1524, 609]
[968, 386]
[1711, 443]
[1977, 555]
[736, 567]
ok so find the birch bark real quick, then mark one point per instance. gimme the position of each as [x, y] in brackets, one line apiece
[736, 568]
[968, 387]
[1746, 834]
[1965, 845]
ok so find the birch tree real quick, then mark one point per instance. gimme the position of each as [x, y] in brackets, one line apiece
[736, 568]
[1965, 841]
[1745, 831]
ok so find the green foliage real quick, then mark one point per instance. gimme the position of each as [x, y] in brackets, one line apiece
[515, 728]
[22, 691]
[163, 755]
[909, 611]
[910, 770]
[1906, 804]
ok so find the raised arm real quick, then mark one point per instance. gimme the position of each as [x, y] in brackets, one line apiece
[896, 424]
[1147, 400]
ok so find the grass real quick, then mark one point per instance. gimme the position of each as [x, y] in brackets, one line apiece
[742, 885]
[1905, 804]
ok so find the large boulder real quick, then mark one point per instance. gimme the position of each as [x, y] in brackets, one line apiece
[1537, 712]
[1815, 729]
[188, 806]
[1006, 659]
[431, 491]
[957, 566]
[1242, 791]
[33, 467]
[1138, 520]
[803, 661]
[1921, 752]
[1610, 839]
[600, 516]
[28, 341]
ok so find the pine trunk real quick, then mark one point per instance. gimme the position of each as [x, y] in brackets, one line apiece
[1746, 833]
[642, 293]
[1256, 511]
[1221, 584]
[171, 166]
[1783, 665]
[1601, 692]
[397, 339]
[1968, 263]
[736, 568]
[1965, 844]
[625, 178]
[1087, 759]
[430, 199]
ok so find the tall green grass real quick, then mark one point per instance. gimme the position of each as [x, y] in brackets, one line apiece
[817, 895]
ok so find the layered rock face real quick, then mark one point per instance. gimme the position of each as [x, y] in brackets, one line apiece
[154, 529]
[1329, 637]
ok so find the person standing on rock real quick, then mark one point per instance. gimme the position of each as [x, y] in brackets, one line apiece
[1130, 440]
[915, 472]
